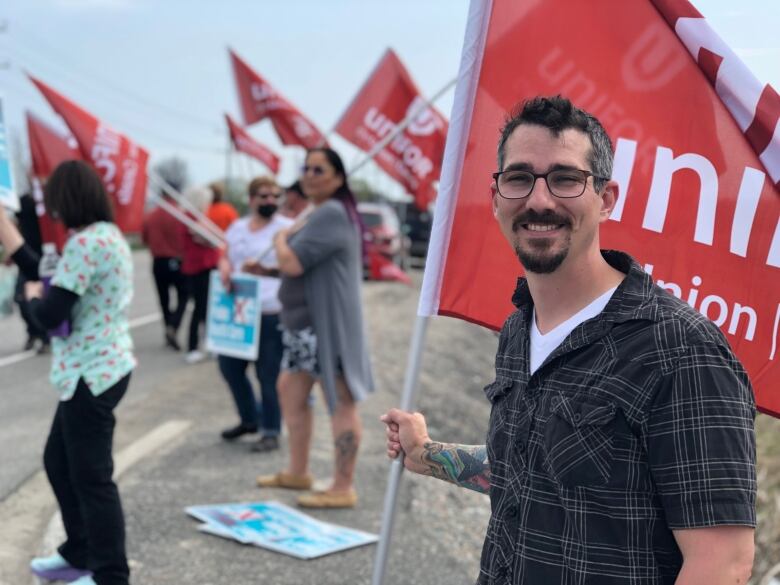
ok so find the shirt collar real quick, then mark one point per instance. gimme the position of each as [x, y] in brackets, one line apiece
[629, 300]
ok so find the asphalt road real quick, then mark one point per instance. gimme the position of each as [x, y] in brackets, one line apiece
[439, 528]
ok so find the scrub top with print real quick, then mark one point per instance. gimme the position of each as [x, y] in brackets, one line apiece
[97, 266]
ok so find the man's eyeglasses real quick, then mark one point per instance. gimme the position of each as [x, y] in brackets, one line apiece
[563, 183]
[313, 169]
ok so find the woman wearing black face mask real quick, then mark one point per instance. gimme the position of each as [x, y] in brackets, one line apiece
[248, 239]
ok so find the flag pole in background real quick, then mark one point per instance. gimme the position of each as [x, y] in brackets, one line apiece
[186, 220]
[460, 119]
[209, 225]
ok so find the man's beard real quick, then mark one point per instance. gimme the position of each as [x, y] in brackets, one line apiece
[536, 257]
[540, 262]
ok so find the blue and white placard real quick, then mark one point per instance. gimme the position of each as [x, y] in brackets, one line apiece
[8, 196]
[233, 318]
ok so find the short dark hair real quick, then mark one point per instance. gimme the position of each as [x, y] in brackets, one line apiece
[217, 192]
[75, 195]
[557, 114]
[296, 188]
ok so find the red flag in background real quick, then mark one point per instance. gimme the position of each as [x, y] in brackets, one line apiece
[696, 207]
[48, 149]
[243, 142]
[413, 158]
[260, 100]
[120, 162]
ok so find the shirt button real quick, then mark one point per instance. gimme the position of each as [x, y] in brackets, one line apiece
[577, 417]
[521, 447]
[556, 401]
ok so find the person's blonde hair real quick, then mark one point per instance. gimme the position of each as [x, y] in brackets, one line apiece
[259, 182]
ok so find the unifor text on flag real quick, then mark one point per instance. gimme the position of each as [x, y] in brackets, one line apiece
[413, 157]
[120, 162]
[697, 162]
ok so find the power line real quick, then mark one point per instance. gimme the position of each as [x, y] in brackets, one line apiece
[125, 93]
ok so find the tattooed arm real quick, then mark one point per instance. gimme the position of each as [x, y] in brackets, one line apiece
[464, 465]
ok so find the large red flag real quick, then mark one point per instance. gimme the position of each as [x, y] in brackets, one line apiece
[260, 100]
[243, 142]
[120, 162]
[48, 149]
[696, 207]
[413, 158]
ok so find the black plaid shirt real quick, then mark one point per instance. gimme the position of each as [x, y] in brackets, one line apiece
[639, 423]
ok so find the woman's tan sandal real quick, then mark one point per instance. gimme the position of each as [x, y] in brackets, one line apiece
[286, 480]
[324, 499]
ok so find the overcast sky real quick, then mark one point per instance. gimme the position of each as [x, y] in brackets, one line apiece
[158, 70]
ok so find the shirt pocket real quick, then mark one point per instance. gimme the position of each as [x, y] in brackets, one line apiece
[578, 440]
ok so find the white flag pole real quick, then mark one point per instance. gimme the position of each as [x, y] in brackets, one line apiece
[186, 220]
[184, 202]
[468, 77]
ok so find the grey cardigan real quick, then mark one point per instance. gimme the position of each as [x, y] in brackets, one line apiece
[329, 249]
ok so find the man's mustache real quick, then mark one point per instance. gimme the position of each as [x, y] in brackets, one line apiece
[531, 216]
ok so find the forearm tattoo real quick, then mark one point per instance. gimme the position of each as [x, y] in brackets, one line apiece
[463, 465]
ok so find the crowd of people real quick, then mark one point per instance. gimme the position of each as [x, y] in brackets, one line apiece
[620, 447]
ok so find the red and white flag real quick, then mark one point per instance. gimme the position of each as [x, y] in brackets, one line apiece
[120, 162]
[697, 161]
[413, 158]
[48, 148]
[243, 142]
[260, 100]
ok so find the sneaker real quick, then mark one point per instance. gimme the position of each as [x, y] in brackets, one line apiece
[29, 344]
[44, 348]
[265, 443]
[56, 568]
[195, 356]
[235, 432]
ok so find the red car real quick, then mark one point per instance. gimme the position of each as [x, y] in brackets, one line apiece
[383, 230]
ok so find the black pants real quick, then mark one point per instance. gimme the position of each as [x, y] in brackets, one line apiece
[166, 276]
[80, 466]
[198, 288]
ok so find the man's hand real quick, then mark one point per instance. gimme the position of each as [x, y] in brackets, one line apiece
[407, 433]
[33, 289]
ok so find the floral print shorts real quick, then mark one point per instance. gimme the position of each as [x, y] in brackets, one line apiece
[300, 351]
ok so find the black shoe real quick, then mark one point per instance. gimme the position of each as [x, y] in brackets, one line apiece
[237, 431]
[170, 339]
[44, 348]
[29, 344]
[265, 443]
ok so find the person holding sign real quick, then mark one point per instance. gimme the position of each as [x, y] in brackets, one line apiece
[249, 242]
[621, 446]
[92, 360]
[323, 332]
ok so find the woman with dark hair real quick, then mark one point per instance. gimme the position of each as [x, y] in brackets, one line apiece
[320, 260]
[91, 367]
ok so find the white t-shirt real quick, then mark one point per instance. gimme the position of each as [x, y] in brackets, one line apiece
[544, 345]
[245, 244]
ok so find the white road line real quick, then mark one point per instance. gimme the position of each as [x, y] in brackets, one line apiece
[21, 511]
[17, 357]
[24, 355]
